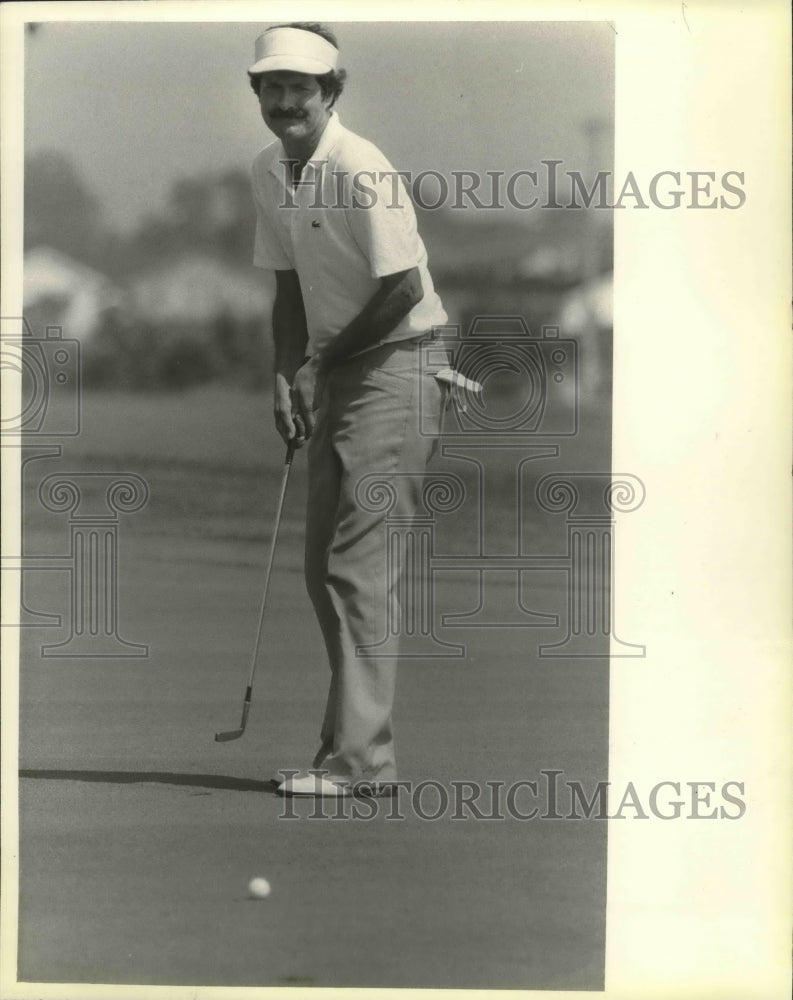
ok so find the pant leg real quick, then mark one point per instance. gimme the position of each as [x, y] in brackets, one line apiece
[324, 483]
[369, 433]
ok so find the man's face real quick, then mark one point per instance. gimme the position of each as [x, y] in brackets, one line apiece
[292, 106]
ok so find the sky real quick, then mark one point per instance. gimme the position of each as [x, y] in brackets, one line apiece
[136, 105]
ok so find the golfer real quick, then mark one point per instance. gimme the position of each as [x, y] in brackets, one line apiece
[353, 300]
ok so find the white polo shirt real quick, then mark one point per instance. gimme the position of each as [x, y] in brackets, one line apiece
[348, 223]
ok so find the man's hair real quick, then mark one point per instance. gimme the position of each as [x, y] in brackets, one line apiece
[330, 84]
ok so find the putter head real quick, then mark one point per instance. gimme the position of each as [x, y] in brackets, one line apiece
[232, 734]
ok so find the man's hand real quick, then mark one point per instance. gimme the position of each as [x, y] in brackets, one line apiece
[306, 393]
[285, 423]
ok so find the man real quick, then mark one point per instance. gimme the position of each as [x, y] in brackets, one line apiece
[353, 300]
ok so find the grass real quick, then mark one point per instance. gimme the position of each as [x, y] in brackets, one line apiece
[213, 461]
[217, 426]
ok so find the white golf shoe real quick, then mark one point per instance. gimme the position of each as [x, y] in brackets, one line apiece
[314, 785]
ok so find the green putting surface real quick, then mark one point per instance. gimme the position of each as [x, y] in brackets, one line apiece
[139, 833]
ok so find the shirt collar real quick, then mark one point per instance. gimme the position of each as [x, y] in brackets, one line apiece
[325, 146]
[327, 140]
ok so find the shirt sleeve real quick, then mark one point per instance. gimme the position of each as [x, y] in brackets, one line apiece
[383, 222]
[268, 251]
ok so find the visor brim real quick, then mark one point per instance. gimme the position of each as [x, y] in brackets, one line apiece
[292, 64]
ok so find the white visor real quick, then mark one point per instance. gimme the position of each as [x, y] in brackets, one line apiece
[293, 49]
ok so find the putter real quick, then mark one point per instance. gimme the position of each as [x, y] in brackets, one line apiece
[234, 734]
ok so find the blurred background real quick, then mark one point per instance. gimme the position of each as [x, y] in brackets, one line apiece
[138, 212]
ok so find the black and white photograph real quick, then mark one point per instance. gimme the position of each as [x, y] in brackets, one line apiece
[396, 499]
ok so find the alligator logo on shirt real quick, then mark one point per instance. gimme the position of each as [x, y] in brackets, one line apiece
[314, 224]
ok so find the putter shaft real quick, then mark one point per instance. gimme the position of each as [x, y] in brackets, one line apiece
[234, 734]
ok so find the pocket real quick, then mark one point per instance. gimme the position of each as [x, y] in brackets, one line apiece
[446, 396]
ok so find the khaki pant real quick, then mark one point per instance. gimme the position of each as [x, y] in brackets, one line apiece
[368, 432]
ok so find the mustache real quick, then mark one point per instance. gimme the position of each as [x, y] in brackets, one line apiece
[288, 113]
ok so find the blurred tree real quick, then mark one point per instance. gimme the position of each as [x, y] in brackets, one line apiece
[236, 216]
[212, 214]
[60, 210]
[209, 213]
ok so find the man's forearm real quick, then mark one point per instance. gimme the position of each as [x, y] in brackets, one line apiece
[290, 336]
[389, 305]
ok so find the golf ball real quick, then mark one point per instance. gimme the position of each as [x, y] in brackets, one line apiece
[259, 888]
